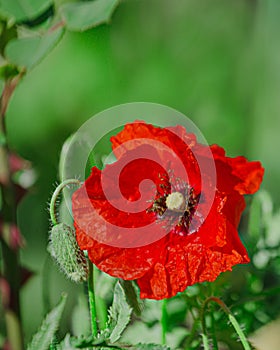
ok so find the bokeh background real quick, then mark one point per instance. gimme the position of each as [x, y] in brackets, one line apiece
[216, 61]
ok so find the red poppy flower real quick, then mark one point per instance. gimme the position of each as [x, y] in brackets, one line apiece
[198, 213]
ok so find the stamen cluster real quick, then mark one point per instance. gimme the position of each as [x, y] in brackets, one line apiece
[175, 203]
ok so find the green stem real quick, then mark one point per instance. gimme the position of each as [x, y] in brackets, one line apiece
[55, 196]
[91, 297]
[101, 307]
[163, 321]
[101, 312]
[232, 320]
[188, 340]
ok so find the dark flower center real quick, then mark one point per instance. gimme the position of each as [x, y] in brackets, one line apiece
[175, 205]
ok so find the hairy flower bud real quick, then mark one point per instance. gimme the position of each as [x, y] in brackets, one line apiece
[66, 252]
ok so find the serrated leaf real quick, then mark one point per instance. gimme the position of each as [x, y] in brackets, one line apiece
[23, 9]
[66, 344]
[82, 343]
[43, 338]
[81, 16]
[119, 312]
[27, 52]
[132, 296]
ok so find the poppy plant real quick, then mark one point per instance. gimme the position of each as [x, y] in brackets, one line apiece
[191, 212]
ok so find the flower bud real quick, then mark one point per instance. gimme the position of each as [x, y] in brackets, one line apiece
[64, 249]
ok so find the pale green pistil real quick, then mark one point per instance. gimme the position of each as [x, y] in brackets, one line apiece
[175, 201]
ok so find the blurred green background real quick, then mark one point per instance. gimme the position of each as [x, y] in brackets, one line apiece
[216, 61]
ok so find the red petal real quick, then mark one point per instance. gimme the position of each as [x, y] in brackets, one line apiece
[126, 263]
[236, 173]
[174, 137]
[234, 207]
[186, 262]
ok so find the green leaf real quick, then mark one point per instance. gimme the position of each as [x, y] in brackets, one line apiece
[27, 52]
[43, 338]
[23, 9]
[66, 344]
[81, 16]
[69, 343]
[82, 343]
[119, 314]
[132, 296]
[7, 34]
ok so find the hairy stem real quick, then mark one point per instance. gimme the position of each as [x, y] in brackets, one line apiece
[91, 297]
[55, 196]
[231, 318]
[188, 340]
[101, 307]
[101, 312]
